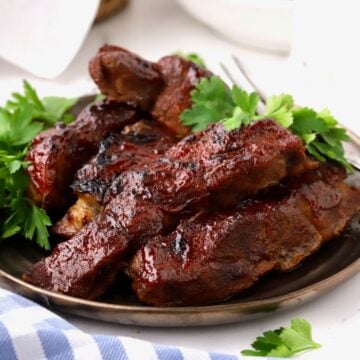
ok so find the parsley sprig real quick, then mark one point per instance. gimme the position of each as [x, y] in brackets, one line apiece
[21, 119]
[214, 101]
[284, 342]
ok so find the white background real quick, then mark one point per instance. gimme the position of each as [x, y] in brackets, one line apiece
[158, 27]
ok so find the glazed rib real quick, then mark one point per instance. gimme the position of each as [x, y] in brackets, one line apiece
[161, 88]
[56, 154]
[123, 76]
[137, 144]
[215, 161]
[145, 202]
[142, 142]
[214, 256]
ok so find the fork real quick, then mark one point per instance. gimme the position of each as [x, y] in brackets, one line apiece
[352, 148]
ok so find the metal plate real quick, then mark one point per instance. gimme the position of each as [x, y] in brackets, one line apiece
[335, 262]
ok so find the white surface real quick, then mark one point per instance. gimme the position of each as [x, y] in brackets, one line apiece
[263, 24]
[157, 27]
[42, 36]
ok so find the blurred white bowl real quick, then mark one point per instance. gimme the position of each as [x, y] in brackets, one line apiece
[263, 24]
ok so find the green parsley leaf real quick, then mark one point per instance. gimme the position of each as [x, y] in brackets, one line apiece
[327, 117]
[244, 110]
[23, 117]
[333, 152]
[245, 101]
[37, 222]
[211, 102]
[238, 118]
[58, 106]
[22, 128]
[193, 57]
[278, 107]
[306, 122]
[284, 342]
[333, 135]
[49, 110]
[32, 96]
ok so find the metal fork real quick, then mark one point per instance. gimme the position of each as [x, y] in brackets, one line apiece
[352, 148]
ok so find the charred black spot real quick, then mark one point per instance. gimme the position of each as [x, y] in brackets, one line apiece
[103, 157]
[218, 137]
[219, 156]
[141, 138]
[189, 139]
[191, 165]
[95, 186]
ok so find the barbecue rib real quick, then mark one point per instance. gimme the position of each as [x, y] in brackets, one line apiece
[144, 202]
[56, 154]
[214, 256]
[137, 144]
[126, 77]
[162, 88]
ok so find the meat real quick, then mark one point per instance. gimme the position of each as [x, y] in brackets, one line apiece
[140, 143]
[125, 77]
[137, 144]
[161, 88]
[211, 257]
[145, 202]
[56, 154]
[86, 265]
[219, 162]
[180, 77]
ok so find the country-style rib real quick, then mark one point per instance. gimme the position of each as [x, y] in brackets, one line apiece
[145, 202]
[126, 77]
[56, 154]
[211, 257]
[136, 145]
[161, 88]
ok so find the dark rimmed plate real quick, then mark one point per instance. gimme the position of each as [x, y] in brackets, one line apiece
[334, 263]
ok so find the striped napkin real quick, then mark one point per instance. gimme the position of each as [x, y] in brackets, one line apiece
[31, 332]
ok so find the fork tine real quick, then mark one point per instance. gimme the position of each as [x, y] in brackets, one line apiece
[229, 75]
[250, 86]
[241, 68]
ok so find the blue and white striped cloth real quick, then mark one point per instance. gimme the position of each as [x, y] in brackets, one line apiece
[31, 332]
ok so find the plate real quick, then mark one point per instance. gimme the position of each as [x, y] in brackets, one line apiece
[334, 263]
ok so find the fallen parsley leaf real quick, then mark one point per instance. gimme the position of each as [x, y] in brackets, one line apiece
[23, 117]
[213, 101]
[193, 57]
[284, 342]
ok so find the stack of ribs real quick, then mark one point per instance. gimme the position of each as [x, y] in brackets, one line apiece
[190, 218]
